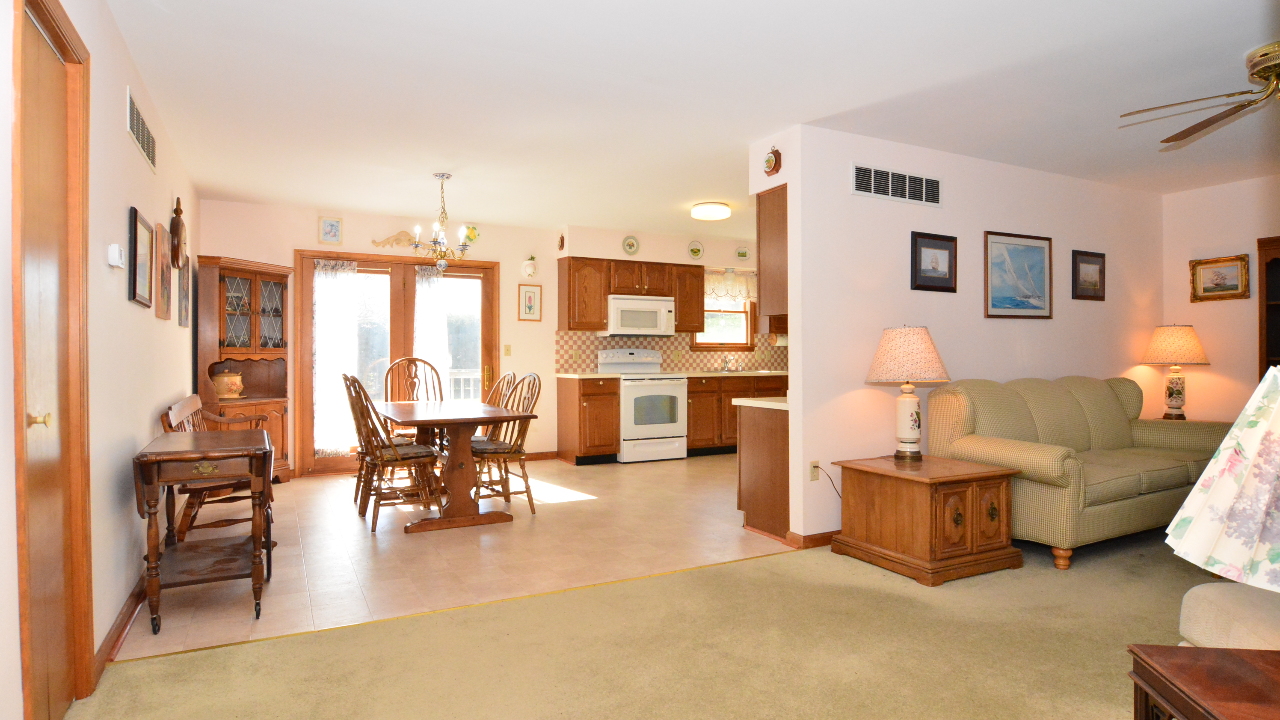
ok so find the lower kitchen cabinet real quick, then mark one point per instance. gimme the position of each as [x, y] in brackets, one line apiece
[713, 418]
[588, 420]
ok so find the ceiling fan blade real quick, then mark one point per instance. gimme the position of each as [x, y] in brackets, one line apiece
[1211, 121]
[1188, 102]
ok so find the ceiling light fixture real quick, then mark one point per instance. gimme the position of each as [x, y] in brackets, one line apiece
[711, 211]
[438, 247]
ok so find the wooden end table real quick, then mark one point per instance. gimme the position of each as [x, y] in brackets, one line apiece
[1195, 683]
[933, 520]
[192, 458]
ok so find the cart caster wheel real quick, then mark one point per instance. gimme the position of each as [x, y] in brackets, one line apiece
[257, 609]
[155, 625]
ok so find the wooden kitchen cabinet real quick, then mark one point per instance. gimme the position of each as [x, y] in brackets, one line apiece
[588, 420]
[626, 277]
[689, 285]
[584, 293]
[771, 254]
[713, 418]
[657, 279]
[704, 412]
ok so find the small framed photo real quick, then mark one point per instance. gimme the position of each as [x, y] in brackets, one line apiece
[164, 275]
[141, 255]
[184, 293]
[330, 231]
[530, 303]
[1224, 278]
[1088, 275]
[933, 262]
[1019, 276]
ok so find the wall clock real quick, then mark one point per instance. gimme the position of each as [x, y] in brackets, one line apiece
[773, 161]
[177, 237]
[630, 245]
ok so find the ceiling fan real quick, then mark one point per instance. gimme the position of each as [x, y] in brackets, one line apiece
[1263, 65]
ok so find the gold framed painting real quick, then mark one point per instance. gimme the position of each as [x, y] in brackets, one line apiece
[1223, 278]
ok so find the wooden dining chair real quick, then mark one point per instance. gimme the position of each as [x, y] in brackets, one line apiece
[355, 399]
[497, 395]
[189, 415]
[381, 458]
[505, 444]
[411, 379]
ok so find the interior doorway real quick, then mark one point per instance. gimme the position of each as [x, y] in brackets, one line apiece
[357, 313]
[50, 157]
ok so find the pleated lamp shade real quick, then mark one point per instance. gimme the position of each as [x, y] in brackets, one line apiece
[1175, 345]
[907, 355]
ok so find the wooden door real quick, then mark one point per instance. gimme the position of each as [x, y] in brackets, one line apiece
[952, 521]
[688, 283]
[734, 387]
[657, 280]
[584, 294]
[277, 426]
[52, 493]
[991, 516]
[237, 323]
[771, 250]
[1268, 304]
[704, 419]
[270, 318]
[626, 277]
[599, 424]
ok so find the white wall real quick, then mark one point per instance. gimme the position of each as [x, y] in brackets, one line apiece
[849, 267]
[1214, 222]
[718, 252]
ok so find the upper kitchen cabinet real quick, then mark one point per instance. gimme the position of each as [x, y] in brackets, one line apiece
[584, 293]
[771, 252]
[657, 279]
[627, 277]
[689, 282]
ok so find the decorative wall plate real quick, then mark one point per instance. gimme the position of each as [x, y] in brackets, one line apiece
[630, 245]
[773, 161]
[744, 253]
[695, 250]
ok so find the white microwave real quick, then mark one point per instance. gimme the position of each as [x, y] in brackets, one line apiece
[641, 315]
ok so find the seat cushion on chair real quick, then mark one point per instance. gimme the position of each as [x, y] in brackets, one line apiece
[1104, 484]
[1155, 471]
[481, 447]
[1231, 615]
[407, 452]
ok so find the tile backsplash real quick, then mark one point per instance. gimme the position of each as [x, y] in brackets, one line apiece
[576, 352]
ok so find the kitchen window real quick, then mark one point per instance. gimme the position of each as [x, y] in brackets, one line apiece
[729, 309]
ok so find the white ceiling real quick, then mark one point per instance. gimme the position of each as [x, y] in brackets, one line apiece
[624, 114]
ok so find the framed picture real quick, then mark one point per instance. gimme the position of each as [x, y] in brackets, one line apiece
[933, 262]
[530, 303]
[331, 231]
[1088, 275]
[1019, 276]
[164, 275]
[1224, 278]
[141, 254]
[184, 293]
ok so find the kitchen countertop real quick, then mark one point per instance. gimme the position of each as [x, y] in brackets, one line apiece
[744, 373]
[773, 403]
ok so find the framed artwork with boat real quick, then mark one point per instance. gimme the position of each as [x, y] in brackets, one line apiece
[1019, 276]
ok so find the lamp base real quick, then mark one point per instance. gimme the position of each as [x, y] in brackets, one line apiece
[907, 456]
[1174, 414]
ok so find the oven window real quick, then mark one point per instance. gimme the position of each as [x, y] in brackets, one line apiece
[655, 409]
[639, 319]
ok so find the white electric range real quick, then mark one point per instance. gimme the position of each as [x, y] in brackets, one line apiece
[654, 405]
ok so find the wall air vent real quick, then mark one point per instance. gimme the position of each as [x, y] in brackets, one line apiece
[896, 186]
[141, 133]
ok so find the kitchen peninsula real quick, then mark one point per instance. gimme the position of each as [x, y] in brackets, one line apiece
[763, 470]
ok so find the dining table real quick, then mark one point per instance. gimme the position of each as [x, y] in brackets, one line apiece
[457, 420]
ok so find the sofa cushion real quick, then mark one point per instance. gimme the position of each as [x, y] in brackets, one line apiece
[998, 411]
[1155, 472]
[1130, 395]
[1108, 421]
[1231, 615]
[1195, 460]
[1104, 484]
[1058, 416]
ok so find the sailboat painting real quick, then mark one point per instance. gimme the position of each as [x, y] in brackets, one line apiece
[1019, 276]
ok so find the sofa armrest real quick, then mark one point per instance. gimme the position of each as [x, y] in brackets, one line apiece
[1179, 434]
[1048, 464]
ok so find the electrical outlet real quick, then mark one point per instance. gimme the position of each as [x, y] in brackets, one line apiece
[506, 350]
[813, 470]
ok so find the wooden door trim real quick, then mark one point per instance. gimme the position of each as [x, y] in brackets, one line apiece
[1267, 246]
[306, 462]
[55, 23]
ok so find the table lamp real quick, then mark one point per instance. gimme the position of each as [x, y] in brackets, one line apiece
[907, 355]
[1175, 345]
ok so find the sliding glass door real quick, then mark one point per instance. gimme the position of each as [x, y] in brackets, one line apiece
[359, 313]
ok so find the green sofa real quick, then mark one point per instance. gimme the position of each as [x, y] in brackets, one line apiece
[1089, 469]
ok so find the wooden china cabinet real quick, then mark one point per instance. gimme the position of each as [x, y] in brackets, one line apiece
[242, 326]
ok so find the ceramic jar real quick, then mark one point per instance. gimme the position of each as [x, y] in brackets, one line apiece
[228, 384]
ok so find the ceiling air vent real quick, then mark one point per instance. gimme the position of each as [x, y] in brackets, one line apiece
[896, 186]
[141, 133]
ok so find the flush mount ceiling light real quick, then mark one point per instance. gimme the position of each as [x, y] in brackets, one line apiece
[711, 211]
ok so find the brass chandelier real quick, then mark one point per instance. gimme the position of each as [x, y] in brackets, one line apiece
[438, 246]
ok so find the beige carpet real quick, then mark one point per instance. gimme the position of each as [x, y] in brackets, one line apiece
[799, 635]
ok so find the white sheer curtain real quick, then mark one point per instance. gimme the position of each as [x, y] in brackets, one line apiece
[335, 330]
[431, 322]
[728, 289]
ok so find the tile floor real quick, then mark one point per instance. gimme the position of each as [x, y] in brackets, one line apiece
[594, 524]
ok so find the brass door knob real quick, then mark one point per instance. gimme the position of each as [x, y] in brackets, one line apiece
[993, 513]
[39, 419]
[958, 518]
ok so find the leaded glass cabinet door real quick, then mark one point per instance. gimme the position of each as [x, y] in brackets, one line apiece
[271, 321]
[237, 313]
